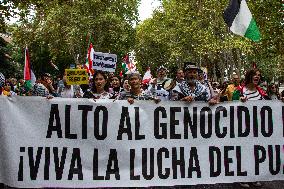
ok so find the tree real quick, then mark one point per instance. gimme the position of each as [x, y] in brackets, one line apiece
[59, 30]
[194, 30]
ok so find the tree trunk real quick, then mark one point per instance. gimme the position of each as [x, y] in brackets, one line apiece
[237, 60]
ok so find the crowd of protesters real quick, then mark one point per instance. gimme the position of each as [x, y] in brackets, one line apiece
[188, 85]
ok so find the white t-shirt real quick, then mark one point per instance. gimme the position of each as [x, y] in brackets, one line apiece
[67, 92]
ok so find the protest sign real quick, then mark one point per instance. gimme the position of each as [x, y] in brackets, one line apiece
[76, 76]
[104, 61]
[83, 143]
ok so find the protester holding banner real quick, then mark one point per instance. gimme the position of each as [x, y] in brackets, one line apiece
[57, 82]
[136, 93]
[191, 89]
[203, 80]
[170, 84]
[251, 90]
[99, 88]
[13, 84]
[156, 84]
[223, 92]
[8, 88]
[69, 91]
[7, 91]
[231, 88]
[43, 87]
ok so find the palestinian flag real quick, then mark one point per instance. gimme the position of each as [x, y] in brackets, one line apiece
[125, 63]
[29, 75]
[240, 21]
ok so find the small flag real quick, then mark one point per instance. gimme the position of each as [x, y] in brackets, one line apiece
[240, 21]
[147, 76]
[28, 72]
[128, 65]
[89, 60]
[125, 62]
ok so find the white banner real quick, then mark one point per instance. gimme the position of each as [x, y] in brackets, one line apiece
[82, 143]
[104, 61]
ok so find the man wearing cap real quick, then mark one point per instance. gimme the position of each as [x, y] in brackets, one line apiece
[191, 89]
[156, 84]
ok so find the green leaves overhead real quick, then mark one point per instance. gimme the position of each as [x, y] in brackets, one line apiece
[59, 30]
[180, 30]
[195, 31]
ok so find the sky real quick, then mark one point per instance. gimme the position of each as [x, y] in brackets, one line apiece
[146, 8]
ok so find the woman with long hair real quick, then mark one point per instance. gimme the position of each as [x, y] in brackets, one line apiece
[251, 89]
[99, 88]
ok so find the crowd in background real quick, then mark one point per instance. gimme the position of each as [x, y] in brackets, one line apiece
[190, 84]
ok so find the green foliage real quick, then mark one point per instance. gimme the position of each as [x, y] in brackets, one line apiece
[195, 31]
[179, 31]
[60, 30]
[8, 67]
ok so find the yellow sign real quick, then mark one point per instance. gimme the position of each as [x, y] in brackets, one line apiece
[76, 76]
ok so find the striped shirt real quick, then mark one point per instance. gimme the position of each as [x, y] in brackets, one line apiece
[252, 95]
[40, 90]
